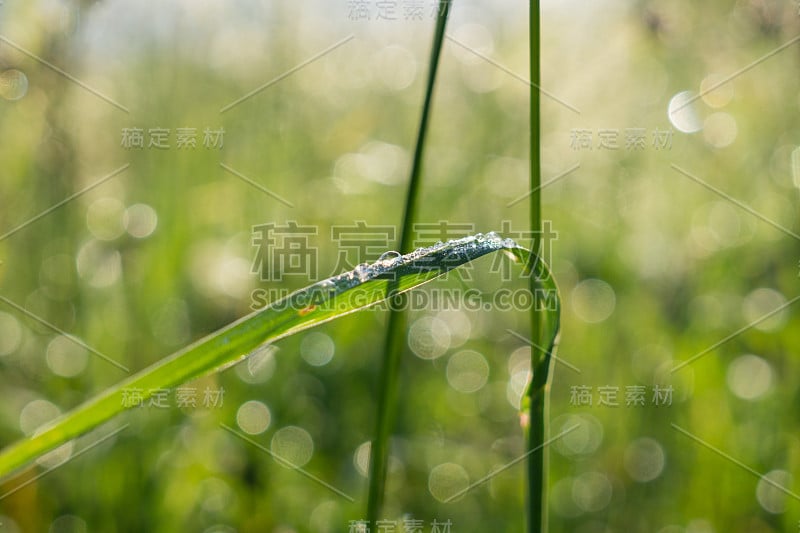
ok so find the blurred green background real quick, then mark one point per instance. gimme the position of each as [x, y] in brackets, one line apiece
[655, 267]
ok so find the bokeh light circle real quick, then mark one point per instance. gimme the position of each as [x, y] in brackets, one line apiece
[644, 459]
[317, 348]
[447, 480]
[429, 337]
[13, 84]
[593, 300]
[749, 377]
[467, 371]
[293, 444]
[682, 113]
[253, 417]
[768, 491]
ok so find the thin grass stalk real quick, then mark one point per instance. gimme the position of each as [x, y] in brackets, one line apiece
[540, 361]
[395, 341]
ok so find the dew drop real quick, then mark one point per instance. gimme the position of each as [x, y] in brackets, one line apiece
[389, 256]
[362, 271]
[326, 284]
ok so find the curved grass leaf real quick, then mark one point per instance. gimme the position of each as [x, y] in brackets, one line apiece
[362, 287]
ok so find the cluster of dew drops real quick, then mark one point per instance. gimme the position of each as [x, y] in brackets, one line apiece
[388, 260]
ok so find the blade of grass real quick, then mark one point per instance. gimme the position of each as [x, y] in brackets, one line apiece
[395, 341]
[306, 308]
[544, 327]
[545, 330]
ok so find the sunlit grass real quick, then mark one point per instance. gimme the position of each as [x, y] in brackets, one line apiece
[306, 308]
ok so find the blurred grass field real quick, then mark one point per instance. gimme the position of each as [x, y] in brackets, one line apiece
[654, 266]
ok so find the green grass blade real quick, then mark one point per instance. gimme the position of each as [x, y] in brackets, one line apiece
[541, 324]
[318, 303]
[547, 315]
[395, 342]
